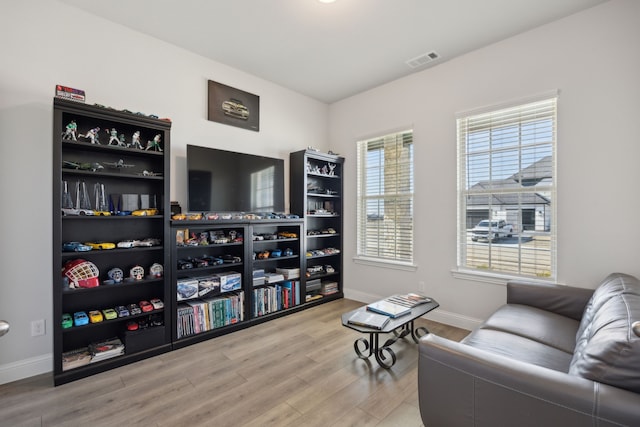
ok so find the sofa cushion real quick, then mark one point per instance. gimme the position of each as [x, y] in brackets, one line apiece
[535, 324]
[519, 348]
[607, 349]
[611, 286]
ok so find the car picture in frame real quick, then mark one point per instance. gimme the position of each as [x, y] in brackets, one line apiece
[234, 107]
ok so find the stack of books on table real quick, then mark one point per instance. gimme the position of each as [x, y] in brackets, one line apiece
[107, 349]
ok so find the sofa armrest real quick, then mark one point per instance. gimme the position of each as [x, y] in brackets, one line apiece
[460, 385]
[567, 301]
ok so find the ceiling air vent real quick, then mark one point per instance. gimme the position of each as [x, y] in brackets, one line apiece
[423, 59]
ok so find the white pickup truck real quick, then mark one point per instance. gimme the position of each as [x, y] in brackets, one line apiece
[491, 230]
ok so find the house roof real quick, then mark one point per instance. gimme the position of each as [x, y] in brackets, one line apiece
[507, 191]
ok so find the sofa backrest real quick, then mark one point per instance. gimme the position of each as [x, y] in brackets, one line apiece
[607, 345]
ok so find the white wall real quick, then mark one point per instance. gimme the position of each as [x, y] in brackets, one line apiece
[45, 43]
[593, 59]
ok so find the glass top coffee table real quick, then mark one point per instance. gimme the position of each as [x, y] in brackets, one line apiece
[399, 327]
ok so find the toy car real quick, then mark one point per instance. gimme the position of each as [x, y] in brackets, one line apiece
[67, 321]
[81, 212]
[211, 260]
[122, 311]
[184, 264]
[179, 217]
[132, 326]
[199, 262]
[287, 235]
[145, 212]
[148, 242]
[156, 320]
[101, 245]
[109, 314]
[80, 318]
[288, 252]
[264, 254]
[145, 306]
[157, 303]
[75, 247]
[134, 309]
[102, 213]
[314, 269]
[276, 253]
[95, 316]
[126, 244]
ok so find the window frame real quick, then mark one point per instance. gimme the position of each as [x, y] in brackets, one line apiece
[463, 268]
[397, 261]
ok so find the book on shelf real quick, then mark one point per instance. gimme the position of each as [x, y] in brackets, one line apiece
[368, 319]
[106, 349]
[390, 309]
[273, 277]
[409, 300]
[75, 358]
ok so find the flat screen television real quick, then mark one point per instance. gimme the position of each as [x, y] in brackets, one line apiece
[227, 181]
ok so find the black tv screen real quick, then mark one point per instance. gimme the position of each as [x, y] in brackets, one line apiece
[226, 181]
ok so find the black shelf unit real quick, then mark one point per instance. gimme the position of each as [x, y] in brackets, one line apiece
[201, 244]
[316, 191]
[143, 176]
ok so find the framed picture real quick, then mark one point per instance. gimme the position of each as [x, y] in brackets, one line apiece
[233, 107]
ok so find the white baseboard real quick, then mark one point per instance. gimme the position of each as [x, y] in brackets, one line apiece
[439, 315]
[26, 368]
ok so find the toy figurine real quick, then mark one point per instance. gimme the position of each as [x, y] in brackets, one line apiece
[113, 136]
[332, 169]
[122, 142]
[135, 140]
[155, 144]
[70, 131]
[92, 135]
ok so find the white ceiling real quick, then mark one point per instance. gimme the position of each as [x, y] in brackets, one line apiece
[330, 51]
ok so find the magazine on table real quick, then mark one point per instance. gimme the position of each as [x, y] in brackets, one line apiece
[388, 308]
[368, 319]
[409, 300]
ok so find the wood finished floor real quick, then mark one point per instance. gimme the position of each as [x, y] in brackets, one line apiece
[298, 370]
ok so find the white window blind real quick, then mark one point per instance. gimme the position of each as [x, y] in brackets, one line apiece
[507, 171]
[385, 197]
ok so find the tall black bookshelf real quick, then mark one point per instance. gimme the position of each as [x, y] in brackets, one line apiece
[107, 166]
[316, 192]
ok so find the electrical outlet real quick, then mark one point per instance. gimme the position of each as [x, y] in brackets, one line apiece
[37, 328]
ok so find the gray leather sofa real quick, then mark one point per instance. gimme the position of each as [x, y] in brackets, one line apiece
[551, 356]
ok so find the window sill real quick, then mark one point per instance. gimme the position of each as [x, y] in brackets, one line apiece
[376, 262]
[493, 278]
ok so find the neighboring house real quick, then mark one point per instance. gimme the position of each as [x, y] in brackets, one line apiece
[504, 204]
